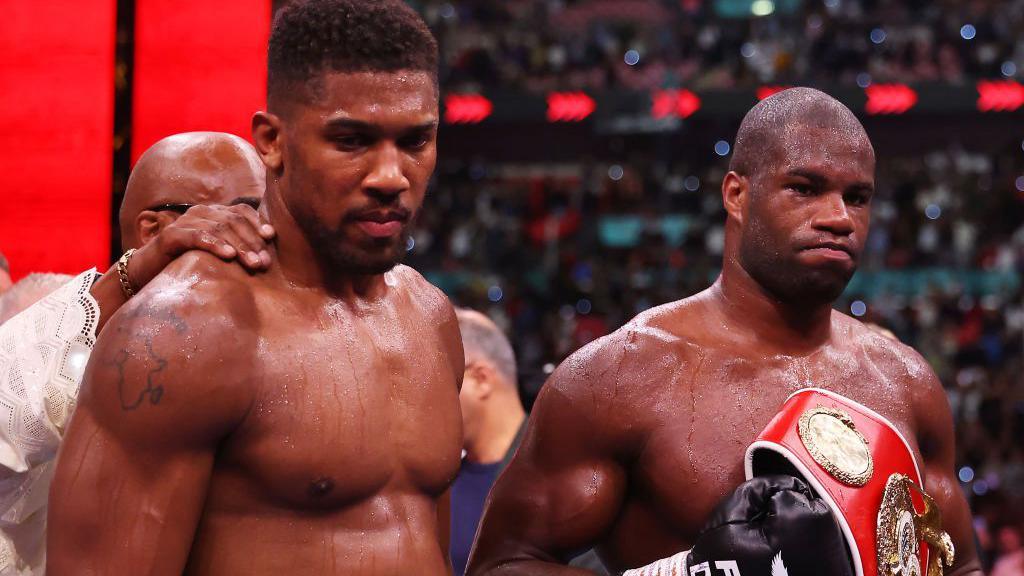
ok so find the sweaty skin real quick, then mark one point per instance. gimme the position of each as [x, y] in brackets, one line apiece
[637, 436]
[300, 421]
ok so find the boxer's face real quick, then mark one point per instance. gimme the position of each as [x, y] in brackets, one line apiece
[357, 155]
[808, 213]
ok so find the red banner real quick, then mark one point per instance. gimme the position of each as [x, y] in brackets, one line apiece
[199, 65]
[57, 110]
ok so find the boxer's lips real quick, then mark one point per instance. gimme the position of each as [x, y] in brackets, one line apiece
[830, 251]
[381, 224]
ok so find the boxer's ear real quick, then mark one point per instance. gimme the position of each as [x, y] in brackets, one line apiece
[735, 195]
[266, 135]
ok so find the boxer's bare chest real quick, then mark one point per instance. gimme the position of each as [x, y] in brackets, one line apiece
[351, 404]
[694, 454]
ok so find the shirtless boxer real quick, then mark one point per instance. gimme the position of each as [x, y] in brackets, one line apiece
[636, 437]
[305, 420]
[38, 390]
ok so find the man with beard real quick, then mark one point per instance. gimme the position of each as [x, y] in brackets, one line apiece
[305, 420]
[636, 437]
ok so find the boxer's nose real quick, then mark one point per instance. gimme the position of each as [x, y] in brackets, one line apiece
[386, 177]
[833, 215]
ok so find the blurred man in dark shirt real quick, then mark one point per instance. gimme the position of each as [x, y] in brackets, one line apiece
[492, 421]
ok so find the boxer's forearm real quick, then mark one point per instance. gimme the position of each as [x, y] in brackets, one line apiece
[143, 266]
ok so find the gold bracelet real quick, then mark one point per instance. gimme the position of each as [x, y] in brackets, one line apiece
[122, 273]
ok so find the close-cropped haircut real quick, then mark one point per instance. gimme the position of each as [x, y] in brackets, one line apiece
[766, 126]
[311, 37]
[482, 339]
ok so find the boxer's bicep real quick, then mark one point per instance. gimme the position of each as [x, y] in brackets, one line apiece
[938, 448]
[132, 475]
[558, 497]
[116, 509]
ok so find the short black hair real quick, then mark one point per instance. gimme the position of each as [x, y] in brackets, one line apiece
[3, 263]
[310, 37]
[763, 128]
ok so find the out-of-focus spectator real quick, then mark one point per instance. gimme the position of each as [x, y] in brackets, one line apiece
[5, 274]
[493, 421]
[1011, 549]
[28, 291]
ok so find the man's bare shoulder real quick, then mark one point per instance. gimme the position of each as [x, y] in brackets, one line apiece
[920, 388]
[198, 283]
[178, 347]
[428, 299]
[893, 358]
[633, 366]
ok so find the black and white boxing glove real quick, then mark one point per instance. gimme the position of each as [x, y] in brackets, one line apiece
[769, 526]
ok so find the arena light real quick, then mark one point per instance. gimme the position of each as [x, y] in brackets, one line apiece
[569, 106]
[466, 108]
[889, 98]
[681, 103]
[193, 72]
[766, 91]
[1000, 95]
[762, 7]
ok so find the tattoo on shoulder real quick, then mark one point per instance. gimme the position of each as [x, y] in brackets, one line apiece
[152, 390]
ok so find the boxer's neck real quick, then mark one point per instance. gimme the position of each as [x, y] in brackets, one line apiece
[300, 262]
[794, 327]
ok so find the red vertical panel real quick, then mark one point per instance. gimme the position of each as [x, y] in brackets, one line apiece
[57, 113]
[199, 65]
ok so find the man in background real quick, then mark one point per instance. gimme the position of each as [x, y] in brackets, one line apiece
[28, 291]
[493, 421]
[5, 274]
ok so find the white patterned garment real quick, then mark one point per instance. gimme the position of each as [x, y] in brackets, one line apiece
[671, 566]
[43, 353]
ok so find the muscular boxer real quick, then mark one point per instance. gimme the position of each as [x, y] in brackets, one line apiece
[637, 436]
[304, 420]
[38, 390]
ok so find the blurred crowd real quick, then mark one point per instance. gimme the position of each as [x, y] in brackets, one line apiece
[542, 45]
[561, 254]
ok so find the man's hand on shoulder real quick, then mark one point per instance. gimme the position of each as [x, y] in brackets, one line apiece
[228, 232]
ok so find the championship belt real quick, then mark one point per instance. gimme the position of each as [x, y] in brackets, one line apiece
[864, 469]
